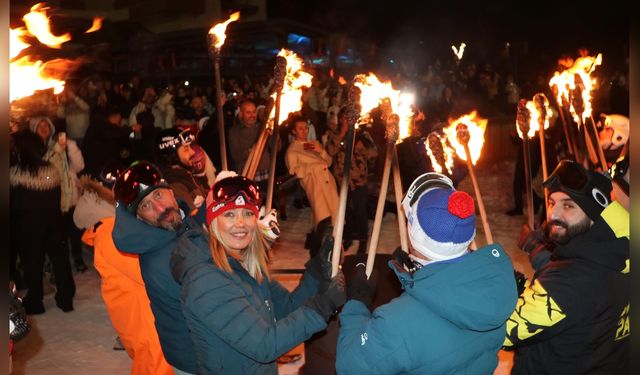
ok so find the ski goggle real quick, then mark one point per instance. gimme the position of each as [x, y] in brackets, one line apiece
[421, 184]
[135, 183]
[570, 175]
[228, 189]
[575, 180]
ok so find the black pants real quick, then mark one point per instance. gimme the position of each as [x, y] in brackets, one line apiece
[39, 233]
[74, 236]
[357, 219]
[519, 178]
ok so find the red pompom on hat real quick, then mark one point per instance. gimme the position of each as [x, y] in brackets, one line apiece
[461, 204]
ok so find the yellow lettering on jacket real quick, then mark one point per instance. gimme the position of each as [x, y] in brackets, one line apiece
[534, 312]
[624, 328]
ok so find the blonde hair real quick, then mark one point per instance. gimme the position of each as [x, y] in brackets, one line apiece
[254, 257]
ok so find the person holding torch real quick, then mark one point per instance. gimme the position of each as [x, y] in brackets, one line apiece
[453, 297]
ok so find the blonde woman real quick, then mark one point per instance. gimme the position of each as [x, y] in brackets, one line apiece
[240, 319]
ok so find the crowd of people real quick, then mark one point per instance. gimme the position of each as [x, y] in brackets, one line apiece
[181, 245]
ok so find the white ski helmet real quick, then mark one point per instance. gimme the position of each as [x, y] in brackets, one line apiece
[615, 132]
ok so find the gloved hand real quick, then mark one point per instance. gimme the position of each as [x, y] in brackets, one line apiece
[198, 201]
[268, 224]
[328, 302]
[361, 288]
[529, 239]
[402, 257]
[320, 265]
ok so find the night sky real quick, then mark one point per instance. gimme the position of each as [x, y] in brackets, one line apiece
[557, 25]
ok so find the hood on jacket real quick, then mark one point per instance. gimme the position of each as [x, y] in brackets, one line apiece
[88, 184]
[132, 235]
[34, 121]
[192, 250]
[475, 292]
[610, 232]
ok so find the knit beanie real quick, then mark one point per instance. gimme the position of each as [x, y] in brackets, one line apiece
[589, 189]
[231, 191]
[442, 224]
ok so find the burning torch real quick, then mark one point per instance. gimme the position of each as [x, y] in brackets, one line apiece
[463, 136]
[216, 40]
[541, 104]
[523, 117]
[279, 73]
[392, 132]
[352, 113]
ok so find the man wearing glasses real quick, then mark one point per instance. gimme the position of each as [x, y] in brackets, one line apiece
[573, 315]
[149, 221]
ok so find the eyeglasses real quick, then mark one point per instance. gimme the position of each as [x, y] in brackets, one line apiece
[228, 189]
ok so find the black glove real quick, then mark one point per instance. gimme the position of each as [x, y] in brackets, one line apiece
[361, 288]
[529, 239]
[328, 302]
[402, 257]
[319, 266]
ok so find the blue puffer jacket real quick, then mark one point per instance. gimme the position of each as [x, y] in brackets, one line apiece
[237, 325]
[154, 245]
[450, 319]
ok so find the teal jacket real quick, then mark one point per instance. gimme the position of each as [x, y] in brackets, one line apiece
[237, 325]
[450, 319]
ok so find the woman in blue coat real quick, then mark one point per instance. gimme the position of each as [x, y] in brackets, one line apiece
[241, 320]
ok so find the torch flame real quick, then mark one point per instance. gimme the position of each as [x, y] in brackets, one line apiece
[38, 25]
[342, 81]
[447, 153]
[459, 51]
[294, 80]
[534, 121]
[373, 92]
[476, 126]
[219, 29]
[565, 82]
[28, 74]
[97, 24]
[16, 43]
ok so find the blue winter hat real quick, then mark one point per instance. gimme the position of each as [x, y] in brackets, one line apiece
[442, 224]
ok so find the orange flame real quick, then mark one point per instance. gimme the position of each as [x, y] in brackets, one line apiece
[342, 81]
[97, 24]
[534, 121]
[38, 25]
[28, 74]
[27, 77]
[294, 80]
[565, 82]
[373, 91]
[448, 155]
[219, 29]
[16, 43]
[476, 126]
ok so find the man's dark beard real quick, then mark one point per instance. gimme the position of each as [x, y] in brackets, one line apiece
[174, 226]
[570, 230]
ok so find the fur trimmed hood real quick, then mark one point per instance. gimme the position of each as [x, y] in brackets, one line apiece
[87, 184]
